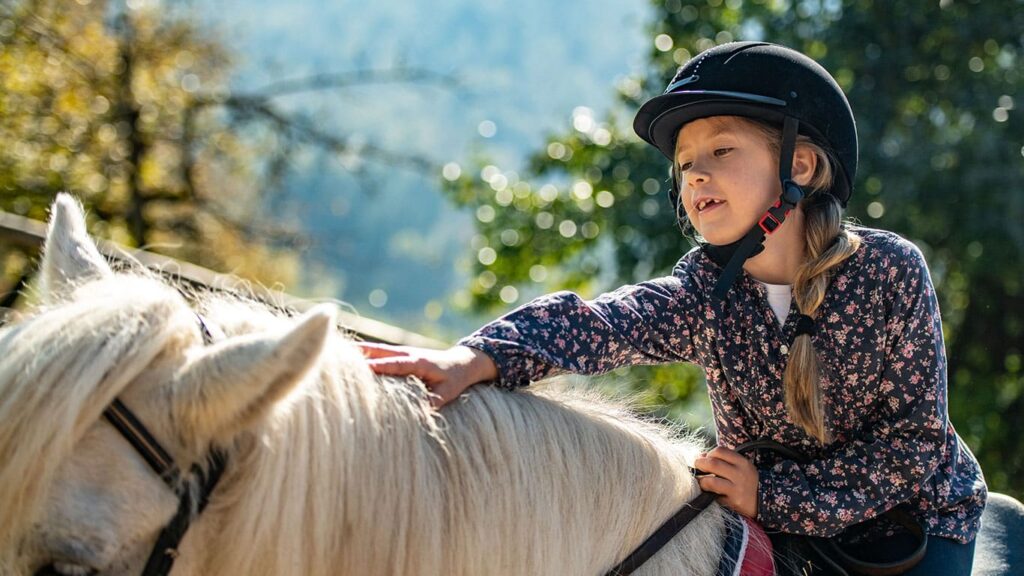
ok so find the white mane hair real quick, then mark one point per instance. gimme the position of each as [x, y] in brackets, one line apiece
[338, 472]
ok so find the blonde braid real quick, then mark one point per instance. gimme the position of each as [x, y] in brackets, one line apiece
[828, 244]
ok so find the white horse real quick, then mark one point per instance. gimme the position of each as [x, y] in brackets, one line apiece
[331, 470]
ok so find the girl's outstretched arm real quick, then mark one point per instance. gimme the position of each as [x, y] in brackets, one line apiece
[646, 323]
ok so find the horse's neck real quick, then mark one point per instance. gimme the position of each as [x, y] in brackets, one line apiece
[363, 479]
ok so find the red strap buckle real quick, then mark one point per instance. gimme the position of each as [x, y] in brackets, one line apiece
[769, 223]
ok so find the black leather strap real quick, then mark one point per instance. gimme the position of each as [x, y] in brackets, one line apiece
[144, 443]
[684, 516]
[165, 551]
[844, 564]
[663, 535]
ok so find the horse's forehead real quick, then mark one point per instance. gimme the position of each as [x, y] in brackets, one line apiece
[101, 458]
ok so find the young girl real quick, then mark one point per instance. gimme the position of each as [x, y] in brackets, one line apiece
[813, 334]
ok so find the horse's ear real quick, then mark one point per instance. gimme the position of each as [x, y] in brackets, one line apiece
[69, 255]
[237, 382]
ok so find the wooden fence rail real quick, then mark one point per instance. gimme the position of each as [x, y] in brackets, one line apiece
[29, 234]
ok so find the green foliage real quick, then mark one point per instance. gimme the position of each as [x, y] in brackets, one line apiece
[118, 104]
[127, 105]
[942, 138]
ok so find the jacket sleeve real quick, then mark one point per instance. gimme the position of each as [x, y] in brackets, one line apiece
[646, 323]
[903, 448]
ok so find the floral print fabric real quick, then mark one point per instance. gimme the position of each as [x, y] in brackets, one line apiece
[879, 339]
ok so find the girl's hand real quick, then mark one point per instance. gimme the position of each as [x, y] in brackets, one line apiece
[445, 372]
[734, 478]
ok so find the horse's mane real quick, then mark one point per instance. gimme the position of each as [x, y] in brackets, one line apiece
[355, 474]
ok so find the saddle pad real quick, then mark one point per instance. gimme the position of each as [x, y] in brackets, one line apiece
[747, 550]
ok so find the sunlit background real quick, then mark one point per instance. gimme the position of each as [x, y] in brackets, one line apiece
[433, 164]
[485, 80]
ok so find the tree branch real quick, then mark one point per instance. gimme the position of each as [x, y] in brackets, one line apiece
[306, 130]
[328, 81]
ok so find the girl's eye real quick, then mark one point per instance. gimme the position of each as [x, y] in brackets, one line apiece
[722, 151]
[685, 166]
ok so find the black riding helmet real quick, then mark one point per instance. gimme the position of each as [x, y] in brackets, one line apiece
[767, 82]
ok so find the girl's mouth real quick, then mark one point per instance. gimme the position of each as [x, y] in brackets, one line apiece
[707, 205]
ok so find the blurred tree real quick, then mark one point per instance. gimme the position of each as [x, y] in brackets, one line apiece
[934, 88]
[126, 104]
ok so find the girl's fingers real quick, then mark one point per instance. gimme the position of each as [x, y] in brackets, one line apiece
[403, 366]
[721, 486]
[715, 466]
[373, 351]
[434, 369]
[731, 456]
[388, 367]
[442, 394]
[735, 479]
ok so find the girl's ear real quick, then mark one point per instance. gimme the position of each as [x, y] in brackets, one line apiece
[805, 164]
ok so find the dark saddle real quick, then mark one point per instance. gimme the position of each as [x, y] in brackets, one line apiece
[998, 551]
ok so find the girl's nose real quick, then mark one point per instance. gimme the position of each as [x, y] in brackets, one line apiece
[697, 175]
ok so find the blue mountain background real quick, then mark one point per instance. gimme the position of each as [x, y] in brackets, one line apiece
[389, 243]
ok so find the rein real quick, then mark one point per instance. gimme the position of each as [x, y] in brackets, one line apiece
[827, 549]
[190, 503]
[680, 519]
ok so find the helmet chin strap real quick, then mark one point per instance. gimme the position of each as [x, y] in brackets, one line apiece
[732, 256]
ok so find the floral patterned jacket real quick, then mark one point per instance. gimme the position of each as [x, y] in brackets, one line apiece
[879, 338]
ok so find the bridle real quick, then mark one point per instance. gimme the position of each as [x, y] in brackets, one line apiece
[164, 552]
[190, 503]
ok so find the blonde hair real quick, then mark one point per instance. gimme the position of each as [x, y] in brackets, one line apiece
[828, 243]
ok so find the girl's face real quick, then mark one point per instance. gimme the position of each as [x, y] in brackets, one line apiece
[728, 176]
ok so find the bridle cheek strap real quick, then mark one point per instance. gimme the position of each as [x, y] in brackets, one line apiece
[161, 559]
[144, 443]
[165, 551]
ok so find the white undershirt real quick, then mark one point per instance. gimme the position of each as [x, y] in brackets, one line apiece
[779, 296]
